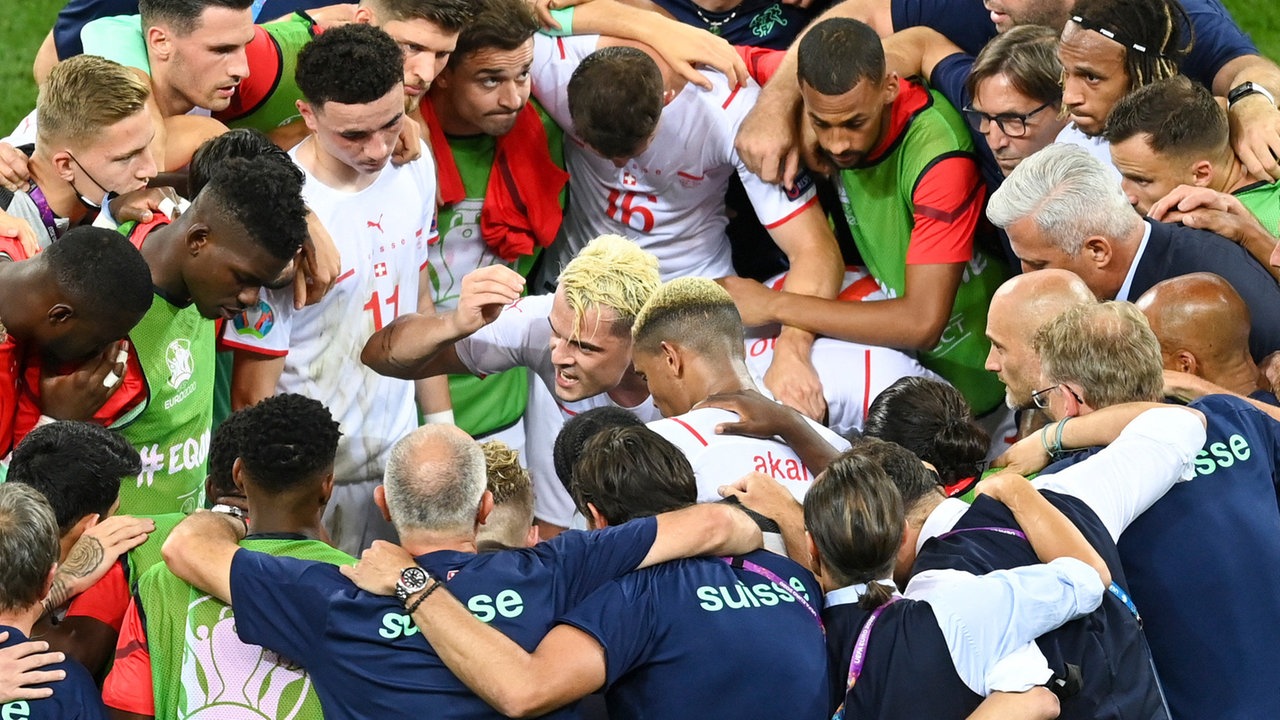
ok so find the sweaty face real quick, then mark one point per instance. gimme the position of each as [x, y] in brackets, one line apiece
[596, 360]
[997, 97]
[362, 137]
[1006, 14]
[1094, 77]
[1146, 175]
[118, 159]
[848, 126]
[1011, 356]
[1036, 252]
[488, 87]
[228, 272]
[210, 62]
[426, 50]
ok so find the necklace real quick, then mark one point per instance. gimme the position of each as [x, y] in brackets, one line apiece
[713, 26]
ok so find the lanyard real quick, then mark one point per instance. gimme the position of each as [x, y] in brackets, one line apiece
[1113, 588]
[859, 656]
[47, 218]
[771, 576]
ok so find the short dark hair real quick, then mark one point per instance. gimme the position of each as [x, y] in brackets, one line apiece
[632, 472]
[288, 440]
[183, 15]
[1181, 117]
[228, 439]
[235, 143]
[933, 421]
[28, 546]
[606, 81]
[913, 480]
[581, 428]
[1156, 25]
[99, 269]
[854, 514]
[448, 15]
[77, 466]
[500, 24]
[836, 54]
[264, 195]
[353, 64]
[1026, 55]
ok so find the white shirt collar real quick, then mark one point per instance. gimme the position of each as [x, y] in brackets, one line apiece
[851, 594]
[1133, 266]
[941, 520]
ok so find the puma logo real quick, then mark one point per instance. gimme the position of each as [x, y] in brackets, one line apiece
[372, 224]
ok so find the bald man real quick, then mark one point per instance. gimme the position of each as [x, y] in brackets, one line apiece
[1203, 327]
[1018, 309]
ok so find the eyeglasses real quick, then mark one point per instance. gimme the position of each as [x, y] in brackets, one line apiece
[1040, 398]
[1013, 125]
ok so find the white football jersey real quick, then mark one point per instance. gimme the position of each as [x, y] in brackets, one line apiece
[722, 459]
[669, 199]
[382, 233]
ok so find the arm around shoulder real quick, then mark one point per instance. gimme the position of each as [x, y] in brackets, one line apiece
[200, 550]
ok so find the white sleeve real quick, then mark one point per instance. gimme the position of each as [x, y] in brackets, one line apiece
[773, 204]
[24, 133]
[554, 60]
[992, 617]
[512, 340]
[265, 328]
[1119, 483]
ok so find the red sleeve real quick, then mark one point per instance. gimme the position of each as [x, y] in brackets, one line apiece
[131, 393]
[762, 63]
[128, 686]
[106, 601]
[948, 204]
[265, 66]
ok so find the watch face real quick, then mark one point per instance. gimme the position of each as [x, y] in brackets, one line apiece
[412, 579]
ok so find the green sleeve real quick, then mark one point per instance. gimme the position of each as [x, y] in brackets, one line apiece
[117, 38]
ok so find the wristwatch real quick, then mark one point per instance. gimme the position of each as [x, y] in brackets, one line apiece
[412, 579]
[1245, 89]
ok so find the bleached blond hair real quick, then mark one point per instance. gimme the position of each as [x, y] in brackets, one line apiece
[610, 272]
[697, 312]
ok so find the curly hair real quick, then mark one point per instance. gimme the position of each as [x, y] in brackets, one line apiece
[263, 195]
[581, 428]
[288, 440]
[353, 65]
[236, 143]
[225, 447]
[100, 270]
[77, 466]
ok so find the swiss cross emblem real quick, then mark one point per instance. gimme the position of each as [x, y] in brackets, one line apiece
[628, 179]
[380, 270]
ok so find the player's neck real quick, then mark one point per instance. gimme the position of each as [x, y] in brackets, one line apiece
[59, 193]
[449, 120]
[285, 515]
[163, 250]
[631, 392]
[168, 99]
[421, 542]
[331, 171]
[1242, 377]
[715, 378]
[1234, 176]
[22, 619]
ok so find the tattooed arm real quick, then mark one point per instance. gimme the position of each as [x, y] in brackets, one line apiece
[94, 554]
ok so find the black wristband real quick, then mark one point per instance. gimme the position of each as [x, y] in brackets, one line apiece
[430, 589]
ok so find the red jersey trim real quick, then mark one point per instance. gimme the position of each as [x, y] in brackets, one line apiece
[792, 214]
[253, 350]
[689, 427]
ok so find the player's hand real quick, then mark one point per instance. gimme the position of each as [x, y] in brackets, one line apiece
[1187, 387]
[762, 494]
[82, 392]
[793, 381]
[141, 205]
[379, 568]
[22, 667]
[20, 230]
[319, 265]
[485, 292]
[811, 152]
[1028, 455]
[96, 551]
[768, 141]
[14, 173]
[758, 416]
[544, 7]
[1201, 207]
[1001, 486]
[684, 46]
[1270, 367]
[331, 16]
[409, 142]
[1255, 136]
[754, 301]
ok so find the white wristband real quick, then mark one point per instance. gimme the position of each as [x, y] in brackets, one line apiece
[444, 417]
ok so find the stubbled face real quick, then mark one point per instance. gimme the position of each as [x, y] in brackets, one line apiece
[210, 62]
[1094, 77]
[488, 88]
[596, 360]
[362, 137]
[1012, 357]
[228, 271]
[119, 159]
[850, 125]
[996, 96]
[426, 49]
[1147, 176]
[1006, 14]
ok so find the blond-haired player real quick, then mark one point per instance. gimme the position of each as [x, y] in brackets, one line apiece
[510, 523]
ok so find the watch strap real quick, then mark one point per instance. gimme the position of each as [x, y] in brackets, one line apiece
[1245, 89]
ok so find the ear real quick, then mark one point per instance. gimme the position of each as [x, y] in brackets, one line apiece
[1185, 361]
[1202, 173]
[1097, 250]
[77, 530]
[1070, 405]
[814, 558]
[380, 499]
[533, 537]
[197, 238]
[237, 474]
[308, 114]
[326, 489]
[892, 86]
[595, 520]
[48, 581]
[159, 45]
[364, 15]
[62, 165]
[486, 507]
[61, 313]
[673, 358]
[668, 95]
